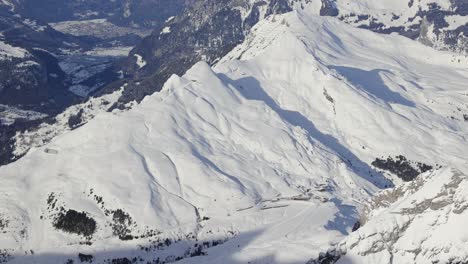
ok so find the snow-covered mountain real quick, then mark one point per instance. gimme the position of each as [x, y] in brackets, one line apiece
[266, 157]
[442, 24]
[209, 29]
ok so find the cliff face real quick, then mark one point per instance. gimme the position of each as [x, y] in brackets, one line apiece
[417, 222]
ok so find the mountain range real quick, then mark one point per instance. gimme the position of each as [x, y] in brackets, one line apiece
[250, 132]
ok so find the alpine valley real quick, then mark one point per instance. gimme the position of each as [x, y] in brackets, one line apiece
[234, 131]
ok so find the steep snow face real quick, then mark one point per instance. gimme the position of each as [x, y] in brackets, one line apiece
[264, 158]
[418, 222]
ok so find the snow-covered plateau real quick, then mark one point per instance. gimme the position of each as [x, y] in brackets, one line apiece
[266, 157]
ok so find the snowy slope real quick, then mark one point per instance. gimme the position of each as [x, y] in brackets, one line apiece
[375, 94]
[264, 158]
[174, 160]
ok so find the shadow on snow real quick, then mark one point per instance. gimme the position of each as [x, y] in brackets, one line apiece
[371, 83]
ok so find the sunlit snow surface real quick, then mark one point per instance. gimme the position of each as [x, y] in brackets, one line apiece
[269, 150]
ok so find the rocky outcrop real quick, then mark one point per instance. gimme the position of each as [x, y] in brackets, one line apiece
[417, 222]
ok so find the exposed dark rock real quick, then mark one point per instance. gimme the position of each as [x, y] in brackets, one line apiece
[85, 258]
[75, 121]
[3, 224]
[7, 134]
[254, 15]
[329, 8]
[328, 96]
[330, 257]
[198, 251]
[76, 223]
[5, 256]
[123, 261]
[356, 226]
[401, 167]
[278, 7]
[452, 261]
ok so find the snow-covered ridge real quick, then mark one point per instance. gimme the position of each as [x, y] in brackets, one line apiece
[264, 158]
[438, 23]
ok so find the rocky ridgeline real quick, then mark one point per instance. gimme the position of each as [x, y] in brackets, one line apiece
[428, 24]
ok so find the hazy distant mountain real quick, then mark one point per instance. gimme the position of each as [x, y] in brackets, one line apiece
[135, 13]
